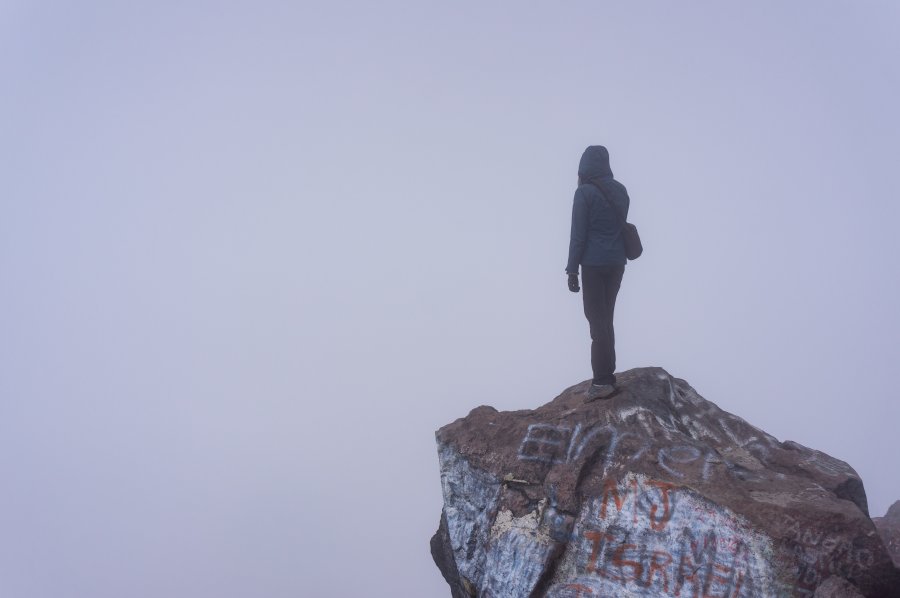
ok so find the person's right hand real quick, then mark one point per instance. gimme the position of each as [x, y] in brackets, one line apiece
[573, 283]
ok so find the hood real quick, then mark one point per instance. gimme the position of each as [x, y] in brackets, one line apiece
[594, 163]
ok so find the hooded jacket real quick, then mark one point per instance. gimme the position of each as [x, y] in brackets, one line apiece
[596, 238]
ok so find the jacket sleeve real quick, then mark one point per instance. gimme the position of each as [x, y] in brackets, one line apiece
[578, 236]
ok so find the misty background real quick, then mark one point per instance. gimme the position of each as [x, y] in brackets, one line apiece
[253, 254]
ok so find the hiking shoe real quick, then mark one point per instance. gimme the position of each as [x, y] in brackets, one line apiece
[600, 391]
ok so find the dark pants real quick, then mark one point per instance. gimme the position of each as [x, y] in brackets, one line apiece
[600, 285]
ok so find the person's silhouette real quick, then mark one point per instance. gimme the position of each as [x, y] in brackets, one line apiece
[596, 245]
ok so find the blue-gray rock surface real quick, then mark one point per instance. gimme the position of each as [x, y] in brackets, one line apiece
[654, 491]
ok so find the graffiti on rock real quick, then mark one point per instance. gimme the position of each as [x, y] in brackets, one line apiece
[470, 498]
[645, 537]
[558, 444]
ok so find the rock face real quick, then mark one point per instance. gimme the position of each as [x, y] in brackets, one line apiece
[654, 491]
[889, 528]
[836, 587]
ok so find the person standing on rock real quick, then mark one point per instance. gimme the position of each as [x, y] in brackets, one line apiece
[596, 244]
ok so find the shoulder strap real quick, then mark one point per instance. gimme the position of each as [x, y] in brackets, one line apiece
[596, 184]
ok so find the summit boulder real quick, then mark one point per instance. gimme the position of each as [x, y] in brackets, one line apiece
[654, 491]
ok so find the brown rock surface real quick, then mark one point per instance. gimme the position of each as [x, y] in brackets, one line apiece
[652, 492]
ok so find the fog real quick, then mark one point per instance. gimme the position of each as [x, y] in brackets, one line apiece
[252, 255]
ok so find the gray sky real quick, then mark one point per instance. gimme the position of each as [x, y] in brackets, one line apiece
[253, 254]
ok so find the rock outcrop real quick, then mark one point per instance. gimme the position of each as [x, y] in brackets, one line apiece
[654, 491]
[889, 528]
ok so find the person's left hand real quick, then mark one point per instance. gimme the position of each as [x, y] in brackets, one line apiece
[573, 283]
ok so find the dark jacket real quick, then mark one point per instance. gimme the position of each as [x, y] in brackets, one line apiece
[596, 238]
